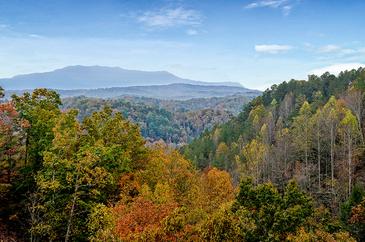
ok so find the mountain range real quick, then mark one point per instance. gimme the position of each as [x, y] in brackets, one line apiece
[114, 82]
[178, 91]
[92, 77]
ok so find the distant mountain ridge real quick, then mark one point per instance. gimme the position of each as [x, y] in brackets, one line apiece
[93, 77]
[178, 91]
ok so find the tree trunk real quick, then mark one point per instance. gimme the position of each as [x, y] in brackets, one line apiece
[285, 160]
[332, 159]
[26, 149]
[349, 140]
[307, 178]
[359, 120]
[69, 223]
[319, 158]
[9, 169]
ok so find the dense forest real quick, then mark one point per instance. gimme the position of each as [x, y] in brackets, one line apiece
[310, 131]
[288, 168]
[176, 122]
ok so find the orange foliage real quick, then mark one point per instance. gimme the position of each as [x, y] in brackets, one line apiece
[141, 219]
[11, 139]
[167, 198]
[7, 116]
[129, 186]
[358, 214]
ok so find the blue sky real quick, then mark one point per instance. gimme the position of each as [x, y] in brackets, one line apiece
[257, 43]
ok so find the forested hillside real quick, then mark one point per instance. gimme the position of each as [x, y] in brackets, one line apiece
[310, 131]
[96, 179]
[175, 122]
[233, 104]
[178, 91]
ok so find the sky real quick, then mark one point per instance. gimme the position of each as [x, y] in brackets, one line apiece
[254, 42]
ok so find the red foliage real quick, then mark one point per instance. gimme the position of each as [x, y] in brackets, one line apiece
[358, 214]
[11, 139]
[140, 219]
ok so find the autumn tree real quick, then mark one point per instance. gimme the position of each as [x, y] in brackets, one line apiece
[12, 156]
[41, 109]
[282, 153]
[167, 199]
[319, 235]
[302, 137]
[141, 220]
[357, 220]
[332, 112]
[12, 137]
[354, 100]
[217, 188]
[351, 209]
[317, 122]
[254, 153]
[351, 134]
[81, 170]
[153, 197]
[257, 116]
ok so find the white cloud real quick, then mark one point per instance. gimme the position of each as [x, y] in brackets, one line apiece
[329, 49]
[170, 17]
[272, 49]
[267, 3]
[336, 68]
[284, 5]
[35, 36]
[343, 54]
[192, 32]
[286, 10]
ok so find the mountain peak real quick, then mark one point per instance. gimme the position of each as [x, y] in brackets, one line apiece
[89, 77]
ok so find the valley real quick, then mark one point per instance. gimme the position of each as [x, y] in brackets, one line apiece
[175, 122]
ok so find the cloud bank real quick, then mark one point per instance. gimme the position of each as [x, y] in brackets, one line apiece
[336, 68]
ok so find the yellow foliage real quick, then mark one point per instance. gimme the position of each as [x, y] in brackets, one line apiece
[319, 235]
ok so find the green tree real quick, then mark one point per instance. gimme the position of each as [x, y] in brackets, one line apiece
[275, 215]
[346, 213]
[221, 155]
[2, 92]
[357, 220]
[226, 225]
[82, 169]
[257, 116]
[41, 109]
